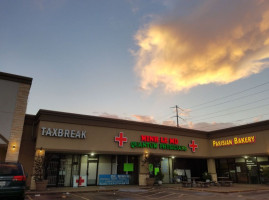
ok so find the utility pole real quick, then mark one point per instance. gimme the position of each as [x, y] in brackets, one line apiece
[177, 116]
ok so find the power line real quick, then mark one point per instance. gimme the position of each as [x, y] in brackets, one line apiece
[211, 125]
[230, 108]
[236, 93]
[233, 112]
[233, 99]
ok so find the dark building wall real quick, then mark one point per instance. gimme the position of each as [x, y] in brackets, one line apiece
[3, 151]
[197, 166]
[27, 150]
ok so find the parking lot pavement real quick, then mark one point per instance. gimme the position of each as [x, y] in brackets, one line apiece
[152, 194]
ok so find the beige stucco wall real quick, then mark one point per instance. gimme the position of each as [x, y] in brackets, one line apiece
[260, 147]
[101, 140]
[17, 123]
[8, 91]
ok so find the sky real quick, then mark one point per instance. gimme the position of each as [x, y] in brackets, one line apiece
[137, 59]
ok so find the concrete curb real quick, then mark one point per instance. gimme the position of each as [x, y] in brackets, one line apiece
[63, 192]
[232, 191]
[224, 192]
[86, 190]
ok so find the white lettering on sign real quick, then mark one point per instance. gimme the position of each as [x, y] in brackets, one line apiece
[54, 132]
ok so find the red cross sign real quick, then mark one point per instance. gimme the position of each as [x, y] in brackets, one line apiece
[193, 146]
[80, 181]
[120, 139]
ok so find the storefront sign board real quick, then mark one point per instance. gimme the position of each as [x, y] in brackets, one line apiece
[113, 179]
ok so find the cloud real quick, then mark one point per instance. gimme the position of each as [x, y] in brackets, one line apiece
[258, 118]
[184, 112]
[169, 123]
[217, 42]
[140, 118]
[134, 6]
[109, 115]
[205, 126]
[144, 118]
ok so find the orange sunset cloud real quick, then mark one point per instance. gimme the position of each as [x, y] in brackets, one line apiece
[219, 42]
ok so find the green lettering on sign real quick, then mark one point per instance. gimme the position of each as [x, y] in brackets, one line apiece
[150, 167]
[156, 170]
[152, 145]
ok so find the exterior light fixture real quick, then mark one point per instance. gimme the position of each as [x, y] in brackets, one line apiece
[173, 157]
[146, 154]
[40, 150]
[92, 154]
[13, 147]
[246, 157]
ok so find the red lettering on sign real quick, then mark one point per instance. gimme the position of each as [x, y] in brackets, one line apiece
[163, 140]
[146, 138]
[173, 141]
[143, 138]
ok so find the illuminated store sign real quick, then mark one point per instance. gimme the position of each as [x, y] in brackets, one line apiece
[120, 139]
[234, 141]
[66, 133]
[155, 142]
[193, 146]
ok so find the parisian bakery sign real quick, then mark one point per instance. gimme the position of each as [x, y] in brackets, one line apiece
[63, 133]
[234, 141]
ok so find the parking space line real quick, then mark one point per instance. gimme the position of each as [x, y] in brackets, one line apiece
[136, 194]
[80, 197]
[171, 194]
[29, 197]
[154, 194]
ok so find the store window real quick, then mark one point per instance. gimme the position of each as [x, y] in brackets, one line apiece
[128, 165]
[247, 169]
[222, 168]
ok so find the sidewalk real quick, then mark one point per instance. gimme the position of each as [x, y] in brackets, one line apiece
[218, 189]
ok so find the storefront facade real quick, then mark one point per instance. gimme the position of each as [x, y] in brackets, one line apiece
[81, 150]
[103, 151]
[241, 153]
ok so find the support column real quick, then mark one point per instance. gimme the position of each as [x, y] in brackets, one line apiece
[143, 171]
[211, 168]
[39, 152]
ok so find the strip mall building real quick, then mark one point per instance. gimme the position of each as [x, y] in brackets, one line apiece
[100, 149]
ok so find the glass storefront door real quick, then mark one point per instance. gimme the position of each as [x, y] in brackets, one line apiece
[253, 176]
[65, 168]
[92, 171]
[264, 173]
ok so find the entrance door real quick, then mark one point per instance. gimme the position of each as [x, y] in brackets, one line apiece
[92, 171]
[52, 168]
[253, 177]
